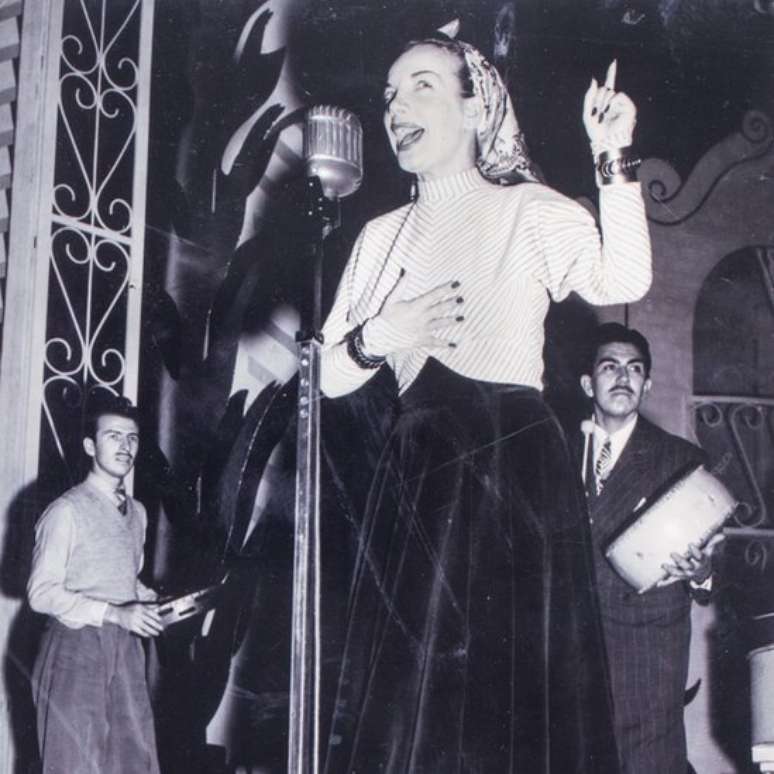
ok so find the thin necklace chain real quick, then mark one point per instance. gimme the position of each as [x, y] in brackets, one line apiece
[386, 260]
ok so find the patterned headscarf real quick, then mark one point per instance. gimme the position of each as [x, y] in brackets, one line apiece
[501, 146]
[502, 151]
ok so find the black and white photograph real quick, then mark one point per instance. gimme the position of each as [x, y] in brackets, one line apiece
[387, 386]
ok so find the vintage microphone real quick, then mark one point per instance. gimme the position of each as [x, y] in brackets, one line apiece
[333, 150]
[333, 155]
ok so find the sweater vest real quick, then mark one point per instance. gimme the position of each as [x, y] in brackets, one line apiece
[106, 554]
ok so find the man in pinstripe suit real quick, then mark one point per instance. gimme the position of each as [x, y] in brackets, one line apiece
[647, 636]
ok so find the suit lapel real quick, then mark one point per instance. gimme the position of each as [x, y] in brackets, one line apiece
[628, 477]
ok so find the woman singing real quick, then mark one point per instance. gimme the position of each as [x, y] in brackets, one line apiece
[473, 642]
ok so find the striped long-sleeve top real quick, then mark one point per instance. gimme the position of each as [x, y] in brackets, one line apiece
[510, 248]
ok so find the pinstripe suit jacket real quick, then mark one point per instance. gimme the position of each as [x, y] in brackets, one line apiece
[647, 636]
[651, 460]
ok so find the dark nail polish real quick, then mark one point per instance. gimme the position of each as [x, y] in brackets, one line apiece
[455, 284]
[460, 318]
[402, 272]
[593, 111]
[452, 345]
[460, 299]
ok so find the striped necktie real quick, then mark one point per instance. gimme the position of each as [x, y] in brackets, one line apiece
[121, 498]
[604, 463]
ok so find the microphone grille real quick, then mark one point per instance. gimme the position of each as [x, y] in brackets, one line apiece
[333, 149]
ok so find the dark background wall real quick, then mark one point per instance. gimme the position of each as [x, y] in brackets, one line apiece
[693, 68]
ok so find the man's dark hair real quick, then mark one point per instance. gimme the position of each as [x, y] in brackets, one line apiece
[115, 405]
[609, 333]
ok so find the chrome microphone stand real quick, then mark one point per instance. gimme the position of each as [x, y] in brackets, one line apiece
[333, 149]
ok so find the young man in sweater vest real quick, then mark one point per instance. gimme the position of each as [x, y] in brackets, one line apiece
[93, 709]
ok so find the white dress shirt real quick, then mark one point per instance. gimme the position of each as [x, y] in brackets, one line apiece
[618, 441]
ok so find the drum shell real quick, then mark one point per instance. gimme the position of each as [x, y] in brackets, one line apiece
[689, 512]
[762, 695]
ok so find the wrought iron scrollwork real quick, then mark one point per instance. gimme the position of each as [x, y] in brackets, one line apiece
[743, 423]
[92, 215]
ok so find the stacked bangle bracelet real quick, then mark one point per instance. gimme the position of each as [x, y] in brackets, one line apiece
[616, 166]
[355, 350]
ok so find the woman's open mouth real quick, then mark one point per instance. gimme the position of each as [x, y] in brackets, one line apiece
[406, 136]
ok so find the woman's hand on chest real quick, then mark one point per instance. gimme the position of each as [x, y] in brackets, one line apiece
[416, 321]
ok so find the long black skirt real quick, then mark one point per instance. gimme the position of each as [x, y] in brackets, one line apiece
[473, 641]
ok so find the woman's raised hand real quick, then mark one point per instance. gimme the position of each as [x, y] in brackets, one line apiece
[608, 115]
[415, 321]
